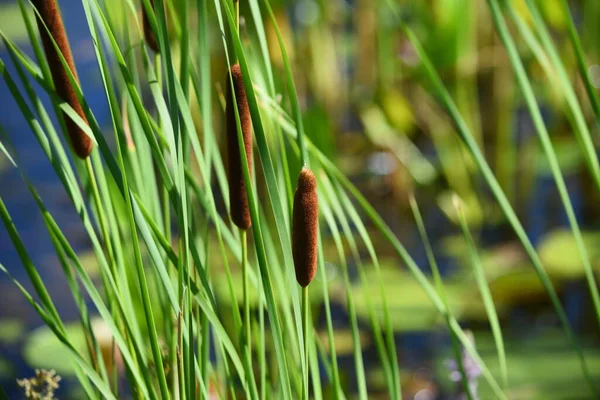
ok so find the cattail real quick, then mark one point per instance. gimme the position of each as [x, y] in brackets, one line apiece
[238, 200]
[49, 20]
[304, 227]
[148, 32]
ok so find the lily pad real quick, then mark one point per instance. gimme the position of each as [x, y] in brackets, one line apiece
[560, 256]
[516, 286]
[7, 370]
[410, 308]
[16, 31]
[344, 343]
[11, 330]
[43, 350]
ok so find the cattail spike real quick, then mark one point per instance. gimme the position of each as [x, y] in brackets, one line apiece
[305, 227]
[238, 200]
[49, 20]
[148, 32]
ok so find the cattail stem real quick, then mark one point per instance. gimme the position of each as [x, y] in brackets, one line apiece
[305, 330]
[236, 5]
[247, 330]
[261, 352]
[52, 31]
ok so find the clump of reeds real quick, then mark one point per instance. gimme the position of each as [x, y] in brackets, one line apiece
[238, 200]
[305, 227]
[148, 32]
[51, 27]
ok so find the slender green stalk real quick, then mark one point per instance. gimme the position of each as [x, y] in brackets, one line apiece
[262, 349]
[335, 375]
[580, 56]
[204, 96]
[236, 5]
[184, 71]
[247, 323]
[305, 330]
[314, 369]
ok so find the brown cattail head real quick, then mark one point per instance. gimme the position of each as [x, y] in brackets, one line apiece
[238, 200]
[148, 32]
[305, 227]
[49, 20]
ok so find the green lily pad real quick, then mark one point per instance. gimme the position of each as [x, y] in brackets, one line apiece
[11, 330]
[410, 308]
[6, 369]
[560, 256]
[516, 286]
[495, 261]
[344, 343]
[43, 350]
[11, 22]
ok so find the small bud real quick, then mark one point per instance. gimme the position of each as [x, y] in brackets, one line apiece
[305, 227]
[238, 200]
